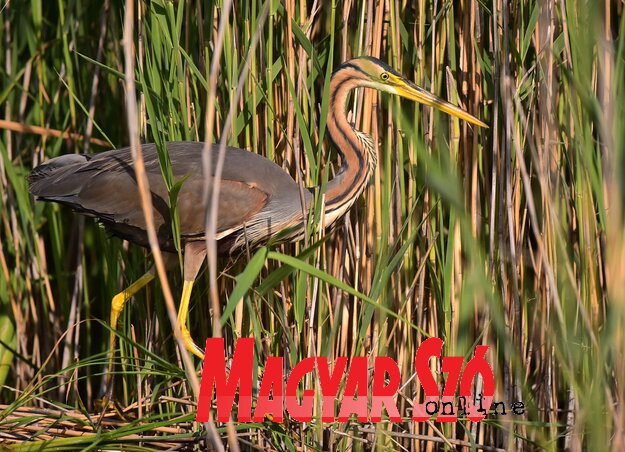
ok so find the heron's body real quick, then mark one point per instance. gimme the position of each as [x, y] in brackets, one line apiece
[257, 199]
[253, 202]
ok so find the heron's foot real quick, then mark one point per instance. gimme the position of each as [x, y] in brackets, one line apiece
[104, 404]
[108, 407]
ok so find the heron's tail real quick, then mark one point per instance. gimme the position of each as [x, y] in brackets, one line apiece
[54, 178]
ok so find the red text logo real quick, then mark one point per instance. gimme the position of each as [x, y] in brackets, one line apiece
[452, 365]
[369, 386]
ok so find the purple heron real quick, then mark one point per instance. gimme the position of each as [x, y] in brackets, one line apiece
[258, 200]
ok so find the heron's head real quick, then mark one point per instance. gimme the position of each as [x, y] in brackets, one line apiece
[373, 73]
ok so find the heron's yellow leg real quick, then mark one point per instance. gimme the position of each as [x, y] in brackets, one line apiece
[183, 313]
[117, 305]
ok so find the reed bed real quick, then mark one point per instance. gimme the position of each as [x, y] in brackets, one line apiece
[511, 237]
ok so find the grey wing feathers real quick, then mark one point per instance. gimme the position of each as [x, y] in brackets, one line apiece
[103, 185]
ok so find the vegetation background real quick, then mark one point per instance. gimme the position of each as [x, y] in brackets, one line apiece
[512, 237]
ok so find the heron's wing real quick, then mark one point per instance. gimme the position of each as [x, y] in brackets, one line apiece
[104, 186]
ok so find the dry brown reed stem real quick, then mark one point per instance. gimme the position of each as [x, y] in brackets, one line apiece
[144, 190]
[212, 215]
[47, 132]
[291, 137]
[95, 81]
[211, 244]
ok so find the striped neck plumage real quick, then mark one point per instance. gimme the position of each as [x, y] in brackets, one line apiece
[356, 149]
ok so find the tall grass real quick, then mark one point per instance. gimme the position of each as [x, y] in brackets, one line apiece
[512, 237]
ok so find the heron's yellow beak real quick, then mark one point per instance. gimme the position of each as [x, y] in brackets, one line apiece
[409, 90]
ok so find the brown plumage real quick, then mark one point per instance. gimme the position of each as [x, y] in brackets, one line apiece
[104, 186]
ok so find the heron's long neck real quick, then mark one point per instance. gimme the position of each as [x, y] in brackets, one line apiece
[357, 151]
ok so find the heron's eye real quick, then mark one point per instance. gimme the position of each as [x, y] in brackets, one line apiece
[384, 76]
